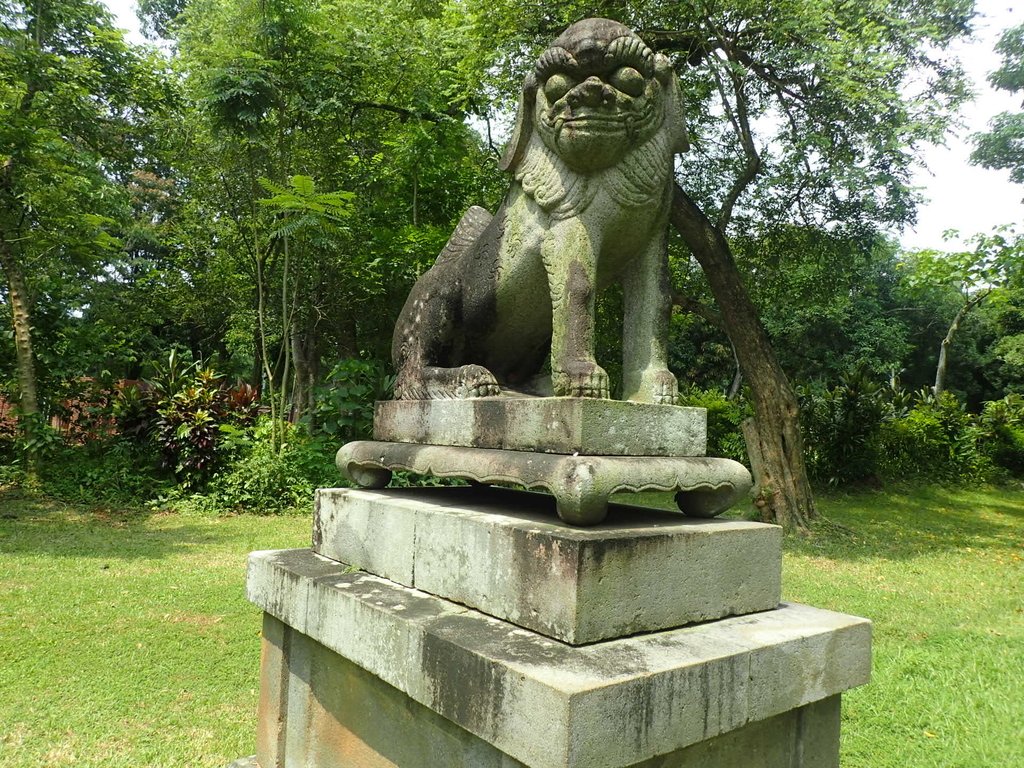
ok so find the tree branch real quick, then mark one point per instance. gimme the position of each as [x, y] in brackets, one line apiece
[691, 305]
[404, 113]
[741, 124]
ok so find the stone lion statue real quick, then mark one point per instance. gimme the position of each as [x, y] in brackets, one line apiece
[592, 161]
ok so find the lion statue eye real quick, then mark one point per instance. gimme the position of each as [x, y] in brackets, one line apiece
[629, 81]
[557, 86]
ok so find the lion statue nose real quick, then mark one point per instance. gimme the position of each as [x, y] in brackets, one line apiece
[592, 92]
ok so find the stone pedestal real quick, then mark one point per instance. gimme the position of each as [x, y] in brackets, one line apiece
[458, 628]
[506, 554]
[564, 425]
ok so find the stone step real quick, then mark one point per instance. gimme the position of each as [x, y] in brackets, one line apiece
[503, 552]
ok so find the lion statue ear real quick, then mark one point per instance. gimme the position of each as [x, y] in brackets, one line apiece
[674, 114]
[516, 147]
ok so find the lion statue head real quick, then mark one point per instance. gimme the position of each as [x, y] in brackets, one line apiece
[595, 94]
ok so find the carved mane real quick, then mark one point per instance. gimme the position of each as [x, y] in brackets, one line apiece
[639, 178]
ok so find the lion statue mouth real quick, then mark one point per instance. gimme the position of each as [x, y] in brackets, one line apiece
[594, 139]
[591, 116]
[632, 123]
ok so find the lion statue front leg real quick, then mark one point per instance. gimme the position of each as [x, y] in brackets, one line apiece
[568, 255]
[647, 313]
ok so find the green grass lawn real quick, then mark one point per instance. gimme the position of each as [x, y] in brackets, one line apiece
[941, 575]
[126, 640]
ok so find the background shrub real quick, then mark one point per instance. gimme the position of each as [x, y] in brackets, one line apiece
[841, 428]
[725, 438]
[343, 405]
[264, 479]
[1000, 433]
[936, 440]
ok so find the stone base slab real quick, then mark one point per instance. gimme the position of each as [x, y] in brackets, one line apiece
[503, 553]
[540, 702]
[563, 425]
[581, 485]
[334, 714]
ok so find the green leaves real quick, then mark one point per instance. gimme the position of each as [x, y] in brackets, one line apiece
[300, 197]
[1002, 145]
[1010, 75]
[995, 259]
[242, 93]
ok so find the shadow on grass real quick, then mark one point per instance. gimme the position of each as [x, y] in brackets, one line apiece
[906, 523]
[36, 526]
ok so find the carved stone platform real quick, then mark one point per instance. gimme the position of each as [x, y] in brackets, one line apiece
[569, 425]
[581, 484]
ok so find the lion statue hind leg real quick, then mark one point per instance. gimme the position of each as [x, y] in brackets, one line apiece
[459, 383]
[427, 327]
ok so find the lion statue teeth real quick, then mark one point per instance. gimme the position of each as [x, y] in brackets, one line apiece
[591, 158]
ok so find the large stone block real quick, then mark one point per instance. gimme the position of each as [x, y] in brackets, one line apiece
[565, 425]
[503, 553]
[350, 718]
[541, 702]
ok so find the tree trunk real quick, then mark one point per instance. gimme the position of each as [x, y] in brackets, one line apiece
[22, 322]
[940, 369]
[304, 365]
[28, 405]
[947, 342]
[737, 379]
[784, 492]
[256, 374]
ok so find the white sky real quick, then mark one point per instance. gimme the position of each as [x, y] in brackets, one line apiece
[963, 196]
[960, 196]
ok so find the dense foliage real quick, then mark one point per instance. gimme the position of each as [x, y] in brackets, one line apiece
[204, 253]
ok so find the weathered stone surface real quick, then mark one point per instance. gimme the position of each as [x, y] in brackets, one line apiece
[346, 717]
[349, 717]
[807, 737]
[501, 552]
[592, 158]
[546, 424]
[547, 704]
[581, 485]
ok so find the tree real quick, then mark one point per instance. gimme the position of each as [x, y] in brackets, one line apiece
[828, 299]
[1002, 145]
[72, 94]
[975, 274]
[339, 95]
[803, 112]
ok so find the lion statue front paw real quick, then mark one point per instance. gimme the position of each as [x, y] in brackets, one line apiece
[581, 379]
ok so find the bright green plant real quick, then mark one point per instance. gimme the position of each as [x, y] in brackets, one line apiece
[937, 440]
[1000, 433]
[841, 426]
[187, 428]
[182, 411]
[725, 438]
[343, 405]
[262, 477]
